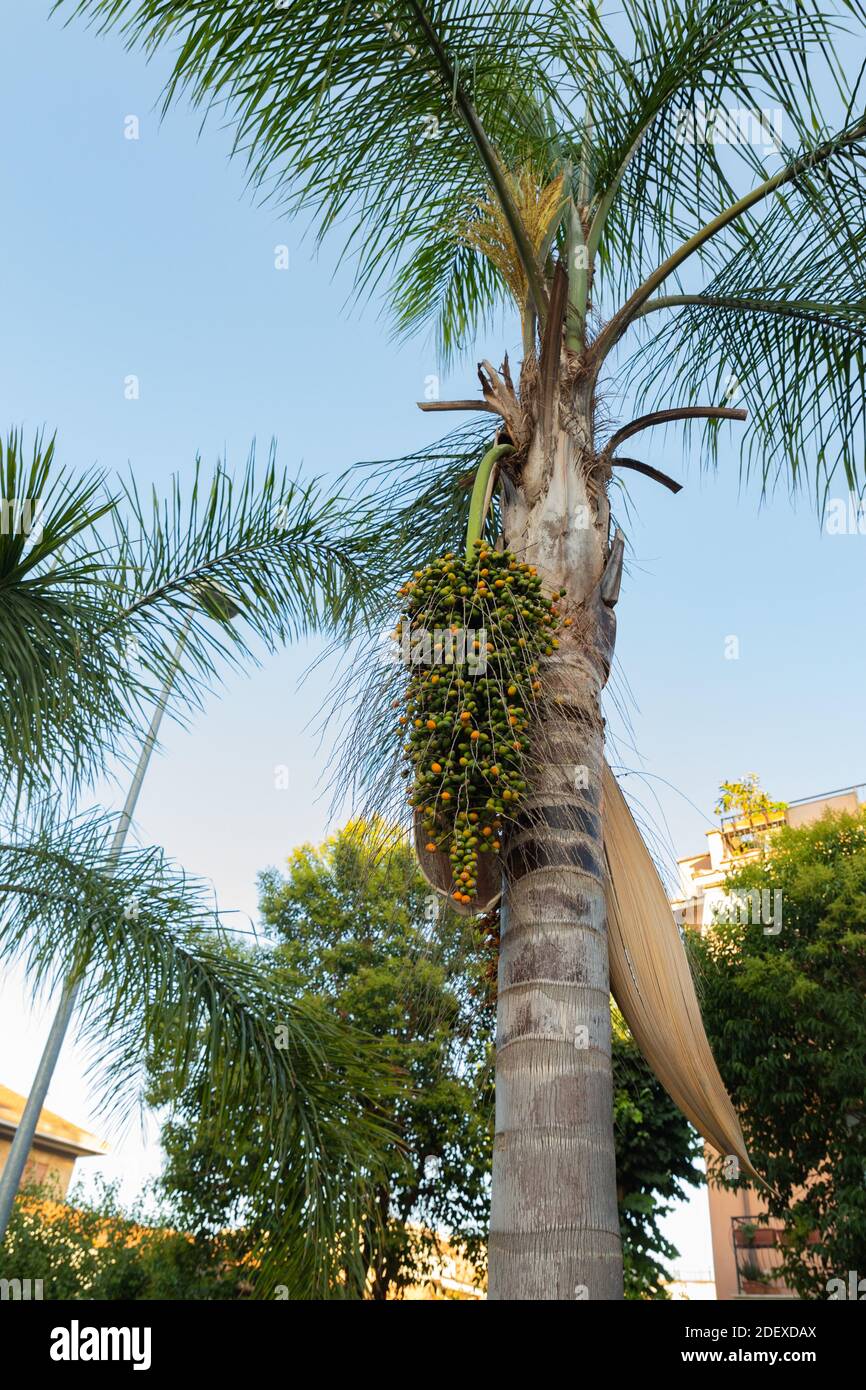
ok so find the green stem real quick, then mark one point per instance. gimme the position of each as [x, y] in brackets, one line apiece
[479, 494]
[578, 284]
[793, 308]
[527, 331]
[490, 160]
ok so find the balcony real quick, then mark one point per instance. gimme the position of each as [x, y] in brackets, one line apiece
[758, 1258]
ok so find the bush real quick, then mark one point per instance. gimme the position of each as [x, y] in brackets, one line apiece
[91, 1249]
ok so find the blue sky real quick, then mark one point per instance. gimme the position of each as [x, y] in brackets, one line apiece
[150, 257]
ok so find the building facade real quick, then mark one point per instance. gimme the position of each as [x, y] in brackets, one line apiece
[56, 1145]
[744, 1253]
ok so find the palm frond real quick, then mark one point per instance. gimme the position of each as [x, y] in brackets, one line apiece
[160, 988]
[94, 591]
[284, 560]
[661, 169]
[448, 286]
[781, 329]
[65, 703]
[355, 114]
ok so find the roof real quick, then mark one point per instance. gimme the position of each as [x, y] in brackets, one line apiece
[52, 1132]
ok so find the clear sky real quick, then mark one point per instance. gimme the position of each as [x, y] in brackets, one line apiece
[149, 257]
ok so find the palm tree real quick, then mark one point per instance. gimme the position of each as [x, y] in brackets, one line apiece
[671, 200]
[95, 591]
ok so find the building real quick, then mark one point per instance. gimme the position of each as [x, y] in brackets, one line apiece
[702, 876]
[56, 1144]
[691, 1286]
[744, 1253]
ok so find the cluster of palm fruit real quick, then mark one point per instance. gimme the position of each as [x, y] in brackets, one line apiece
[475, 632]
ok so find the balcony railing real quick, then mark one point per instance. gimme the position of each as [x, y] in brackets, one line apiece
[758, 1257]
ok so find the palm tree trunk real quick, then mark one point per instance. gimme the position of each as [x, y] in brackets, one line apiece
[554, 1223]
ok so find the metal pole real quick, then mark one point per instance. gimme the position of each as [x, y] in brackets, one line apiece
[13, 1170]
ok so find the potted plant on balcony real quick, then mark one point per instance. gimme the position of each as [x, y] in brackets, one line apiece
[752, 1279]
[752, 1236]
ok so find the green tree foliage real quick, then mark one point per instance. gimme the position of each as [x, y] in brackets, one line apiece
[359, 928]
[655, 1152]
[748, 802]
[785, 1016]
[747, 798]
[91, 1248]
[353, 926]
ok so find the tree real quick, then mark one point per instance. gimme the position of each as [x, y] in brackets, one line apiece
[92, 601]
[358, 928]
[583, 172]
[91, 1248]
[750, 803]
[354, 929]
[785, 1014]
[351, 931]
[655, 1153]
[748, 799]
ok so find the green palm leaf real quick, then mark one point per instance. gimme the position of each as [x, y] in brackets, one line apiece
[382, 122]
[162, 990]
[95, 589]
[249, 562]
[64, 705]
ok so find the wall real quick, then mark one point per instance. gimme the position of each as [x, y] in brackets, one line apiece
[43, 1165]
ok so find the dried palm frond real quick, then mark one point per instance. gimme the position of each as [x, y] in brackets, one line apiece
[652, 984]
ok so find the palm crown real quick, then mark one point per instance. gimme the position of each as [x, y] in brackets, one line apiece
[441, 136]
